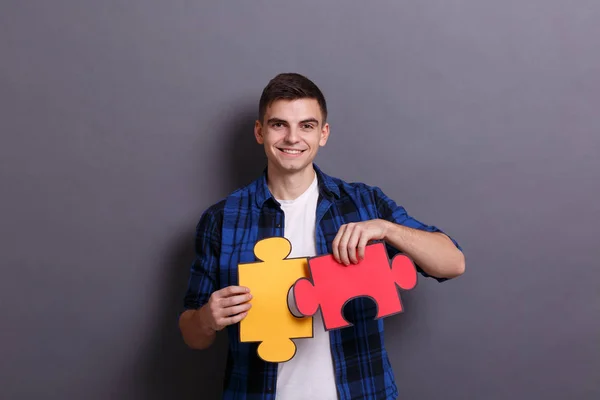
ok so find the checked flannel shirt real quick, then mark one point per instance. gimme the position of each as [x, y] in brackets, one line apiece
[225, 236]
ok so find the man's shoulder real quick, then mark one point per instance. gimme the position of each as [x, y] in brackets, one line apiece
[351, 188]
[217, 209]
[211, 218]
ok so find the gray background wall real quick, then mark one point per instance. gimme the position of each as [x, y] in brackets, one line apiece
[122, 121]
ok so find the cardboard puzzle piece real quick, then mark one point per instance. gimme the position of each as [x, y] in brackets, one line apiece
[269, 320]
[334, 284]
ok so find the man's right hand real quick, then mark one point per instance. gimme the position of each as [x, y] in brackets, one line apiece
[226, 306]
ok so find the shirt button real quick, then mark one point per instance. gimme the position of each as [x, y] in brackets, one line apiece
[279, 225]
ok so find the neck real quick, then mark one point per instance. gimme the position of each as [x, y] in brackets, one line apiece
[289, 186]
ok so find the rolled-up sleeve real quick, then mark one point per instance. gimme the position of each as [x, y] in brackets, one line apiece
[204, 271]
[390, 211]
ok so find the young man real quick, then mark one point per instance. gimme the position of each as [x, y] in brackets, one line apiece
[319, 214]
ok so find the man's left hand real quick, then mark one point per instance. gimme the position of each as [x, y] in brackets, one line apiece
[350, 242]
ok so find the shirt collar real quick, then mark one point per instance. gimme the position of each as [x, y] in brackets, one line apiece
[327, 186]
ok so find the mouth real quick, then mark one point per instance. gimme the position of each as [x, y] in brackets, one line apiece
[291, 152]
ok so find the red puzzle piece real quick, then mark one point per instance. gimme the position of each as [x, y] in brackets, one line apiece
[335, 284]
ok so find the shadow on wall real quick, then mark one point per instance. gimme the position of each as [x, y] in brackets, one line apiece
[243, 159]
[171, 370]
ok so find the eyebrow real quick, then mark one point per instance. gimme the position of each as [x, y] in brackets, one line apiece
[276, 120]
[310, 120]
[281, 121]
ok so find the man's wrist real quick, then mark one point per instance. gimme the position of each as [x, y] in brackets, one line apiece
[200, 316]
[387, 228]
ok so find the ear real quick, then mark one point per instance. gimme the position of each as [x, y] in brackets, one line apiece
[324, 135]
[258, 132]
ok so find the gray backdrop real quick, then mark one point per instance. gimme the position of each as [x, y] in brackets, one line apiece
[122, 121]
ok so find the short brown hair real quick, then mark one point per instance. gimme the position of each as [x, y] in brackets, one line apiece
[290, 86]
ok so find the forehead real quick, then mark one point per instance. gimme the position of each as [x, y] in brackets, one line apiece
[294, 110]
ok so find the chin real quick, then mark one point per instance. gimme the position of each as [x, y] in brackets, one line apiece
[293, 166]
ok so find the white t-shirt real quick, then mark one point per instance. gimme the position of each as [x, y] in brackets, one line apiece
[309, 374]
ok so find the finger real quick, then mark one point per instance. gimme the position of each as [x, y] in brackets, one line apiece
[235, 300]
[235, 319]
[231, 311]
[232, 291]
[353, 243]
[343, 246]
[239, 309]
[362, 243]
[336, 242]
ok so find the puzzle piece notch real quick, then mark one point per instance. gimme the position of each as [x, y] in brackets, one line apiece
[306, 297]
[334, 284]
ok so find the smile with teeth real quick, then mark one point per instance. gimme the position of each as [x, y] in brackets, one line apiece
[291, 151]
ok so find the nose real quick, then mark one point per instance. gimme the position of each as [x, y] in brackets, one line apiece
[292, 135]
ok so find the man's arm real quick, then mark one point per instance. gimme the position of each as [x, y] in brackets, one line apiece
[195, 331]
[209, 310]
[433, 251]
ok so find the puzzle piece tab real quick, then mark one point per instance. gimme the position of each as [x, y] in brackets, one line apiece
[269, 320]
[334, 284]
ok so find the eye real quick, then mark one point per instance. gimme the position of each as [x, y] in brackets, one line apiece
[308, 126]
[277, 125]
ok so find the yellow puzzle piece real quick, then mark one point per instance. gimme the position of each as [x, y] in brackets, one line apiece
[269, 320]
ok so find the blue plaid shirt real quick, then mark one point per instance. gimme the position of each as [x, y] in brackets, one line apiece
[225, 237]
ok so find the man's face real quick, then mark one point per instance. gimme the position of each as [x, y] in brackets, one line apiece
[292, 132]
